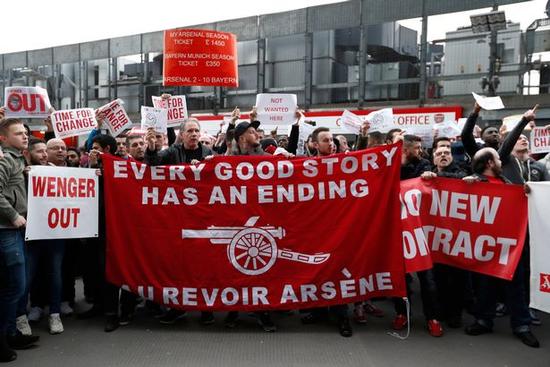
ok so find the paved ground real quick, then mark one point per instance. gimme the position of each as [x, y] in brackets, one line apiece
[147, 343]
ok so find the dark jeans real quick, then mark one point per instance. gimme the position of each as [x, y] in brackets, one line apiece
[428, 292]
[451, 285]
[12, 273]
[51, 253]
[516, 298]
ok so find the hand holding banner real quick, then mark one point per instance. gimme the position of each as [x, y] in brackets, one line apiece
[488, 103]
[155, 118]
[27, 102]
[67, 123]
[276, 109]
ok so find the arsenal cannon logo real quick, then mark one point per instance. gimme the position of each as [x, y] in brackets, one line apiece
[253, 250]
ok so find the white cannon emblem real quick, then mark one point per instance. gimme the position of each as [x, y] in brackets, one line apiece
[253, 250]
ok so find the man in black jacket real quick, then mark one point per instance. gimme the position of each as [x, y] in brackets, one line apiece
[488, 167]
[190, 151]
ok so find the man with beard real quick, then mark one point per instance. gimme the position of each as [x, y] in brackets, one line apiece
[324, 145]
[247, 142]
[73, 157]
[412, 166]
[121, 149]
[488, 167]
[489, 134]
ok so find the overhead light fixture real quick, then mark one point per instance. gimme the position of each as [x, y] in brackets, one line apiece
[493, 21]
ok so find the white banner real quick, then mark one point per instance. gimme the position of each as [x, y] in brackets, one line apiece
[27, 102]
[115, 116]
[67, 123]
[62, 203]
[447, 129]
[381, 120]
[539, 233]
[540, 140]
[489, 103]
[276, 109]
[304, 132]
[155, 118]
[351, 122]
[176, 106]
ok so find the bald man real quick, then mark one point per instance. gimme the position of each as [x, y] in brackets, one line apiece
[57, 152]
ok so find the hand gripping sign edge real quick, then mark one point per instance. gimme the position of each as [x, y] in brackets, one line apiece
[257, 246]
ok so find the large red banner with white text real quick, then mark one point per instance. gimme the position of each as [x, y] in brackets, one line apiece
[479, 227]
[252, 233]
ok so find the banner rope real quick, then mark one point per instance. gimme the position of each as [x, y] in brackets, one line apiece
[395, 334]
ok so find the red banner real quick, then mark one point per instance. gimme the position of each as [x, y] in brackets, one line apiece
[252, 233]
[200, 57]
[479, 227]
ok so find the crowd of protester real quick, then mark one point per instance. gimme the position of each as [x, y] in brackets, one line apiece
[38, 277]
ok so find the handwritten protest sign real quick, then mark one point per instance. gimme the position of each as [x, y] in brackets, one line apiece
[200, 57]
[381, 120]
[351, 122]
[276, 109]
[155, 118]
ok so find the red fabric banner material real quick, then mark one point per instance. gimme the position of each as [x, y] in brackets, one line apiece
[257, 232]
[479, 227]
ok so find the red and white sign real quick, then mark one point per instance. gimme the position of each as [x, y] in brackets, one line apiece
[402, 117]
[176, 106]
[540, 140]
[115, 117]
[67, 123]
[257, 232]
[200, 57]
[27, 102]
[276, 109]
[539, 246]
[469, 226]
[62, 203]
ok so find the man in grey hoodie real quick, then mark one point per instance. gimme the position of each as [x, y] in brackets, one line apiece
[13, 208]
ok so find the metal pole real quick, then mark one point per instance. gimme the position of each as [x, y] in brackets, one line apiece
[492, 58]
[363, 56]
[423, 56]
[308, 82]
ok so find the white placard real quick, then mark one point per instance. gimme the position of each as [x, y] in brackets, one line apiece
[447, 129]
[62, 203]
[489, 103]
[176, 106]
[381, 120]
[27, 102]
[351, 123]
[539, 233]
[511, 121]
[461, 122]
[115, 117]
[304, 132]
[67, 123]
[540, 140]
[155, 118]
[276, 109]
